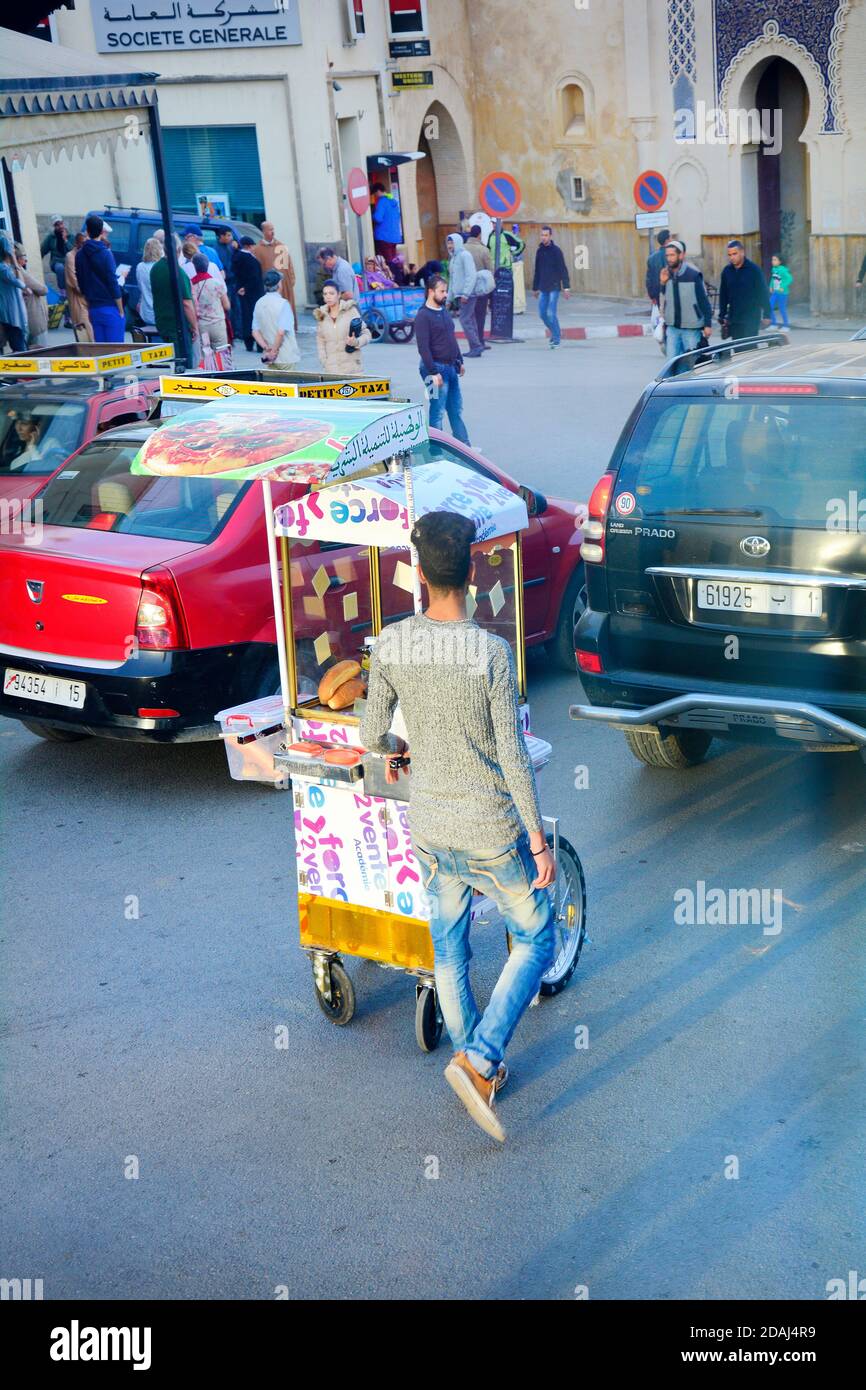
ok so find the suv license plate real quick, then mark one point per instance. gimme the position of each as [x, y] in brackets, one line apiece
[728, 596]
[50, 690]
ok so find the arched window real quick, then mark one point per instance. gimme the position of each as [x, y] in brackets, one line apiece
[572, 106]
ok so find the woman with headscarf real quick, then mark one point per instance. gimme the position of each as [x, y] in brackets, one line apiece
[75, 302]
[377, 276]
[35, 301]
[152, 251]
[13, 315]
[211, 306]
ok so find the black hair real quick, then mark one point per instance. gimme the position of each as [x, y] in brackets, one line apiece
[475, 230]
[330, 285]
[444, 544]
[325, 252]
[94, 226]
[662, 237]
[246, 241]
[221, 231]
[377, 188]
[545, 228]
[735, 242]
[432, 281]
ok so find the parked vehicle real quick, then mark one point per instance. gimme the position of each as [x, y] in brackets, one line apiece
[146, 605]
[725, 560]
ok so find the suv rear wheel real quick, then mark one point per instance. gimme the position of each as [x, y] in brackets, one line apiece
[561, 645]
[669, 749]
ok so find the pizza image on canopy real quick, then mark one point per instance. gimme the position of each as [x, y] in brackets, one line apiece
[233, 442]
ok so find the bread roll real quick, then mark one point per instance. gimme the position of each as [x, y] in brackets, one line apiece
[347, 693]
[334, 678]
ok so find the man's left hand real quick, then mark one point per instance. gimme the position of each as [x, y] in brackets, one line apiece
[708, 333]
[765, 323]
[566, 294]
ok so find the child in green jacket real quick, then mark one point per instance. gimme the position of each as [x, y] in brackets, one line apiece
[780, 284]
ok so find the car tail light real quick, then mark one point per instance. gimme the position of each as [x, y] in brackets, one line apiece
[591, 662]
[160, 624]
[592, 548]
[159, 713]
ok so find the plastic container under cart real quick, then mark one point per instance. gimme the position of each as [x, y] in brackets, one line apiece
[253, 734]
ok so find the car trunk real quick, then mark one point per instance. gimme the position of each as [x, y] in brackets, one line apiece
[72, 596]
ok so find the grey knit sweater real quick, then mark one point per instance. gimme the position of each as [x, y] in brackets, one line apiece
[472, 783]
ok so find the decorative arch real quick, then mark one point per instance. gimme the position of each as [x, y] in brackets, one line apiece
[573, 79]
[809, 36]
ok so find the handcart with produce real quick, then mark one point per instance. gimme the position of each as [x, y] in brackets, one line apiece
[342, 569]
[391, 311]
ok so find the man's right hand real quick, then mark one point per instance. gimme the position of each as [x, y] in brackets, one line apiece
[545, 869]
[436, 378]
[536, 293]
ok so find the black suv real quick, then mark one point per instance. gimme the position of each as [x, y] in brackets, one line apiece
[725, 556]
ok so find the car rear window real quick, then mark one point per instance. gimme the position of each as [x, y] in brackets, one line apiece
[36, 436]
[789, 458]
[98, 492]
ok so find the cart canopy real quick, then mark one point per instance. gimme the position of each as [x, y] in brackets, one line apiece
[376, 511]
[314, 442]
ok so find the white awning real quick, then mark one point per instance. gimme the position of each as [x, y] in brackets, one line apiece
[54, 98]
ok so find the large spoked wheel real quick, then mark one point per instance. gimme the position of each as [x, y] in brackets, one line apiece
[569, 895]
[428, 1020]
[341, 1005]
[375, 321]
[401, 332]
[568, 892]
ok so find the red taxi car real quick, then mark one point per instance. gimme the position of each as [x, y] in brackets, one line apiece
[145, 605]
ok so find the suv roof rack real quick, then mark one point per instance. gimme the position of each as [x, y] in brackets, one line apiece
[699, 356]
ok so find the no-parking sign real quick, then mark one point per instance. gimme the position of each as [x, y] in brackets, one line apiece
[499, 195]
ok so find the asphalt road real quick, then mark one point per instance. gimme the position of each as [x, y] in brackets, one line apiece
[150, 956]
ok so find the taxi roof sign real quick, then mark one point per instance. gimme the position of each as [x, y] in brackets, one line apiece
[203, 388]
[93, 363]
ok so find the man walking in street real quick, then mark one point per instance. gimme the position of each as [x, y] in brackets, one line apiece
[744, 303]
[683, 303]
[551, 278]
[483, 277]
[96, 271]
[56, 246]
[655, 265]
[441, 364]
[339, 270]
[474, 815]
[272, 254]
[251, 287]
[461, 289]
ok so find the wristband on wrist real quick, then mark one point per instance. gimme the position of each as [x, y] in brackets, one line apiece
[535, 852]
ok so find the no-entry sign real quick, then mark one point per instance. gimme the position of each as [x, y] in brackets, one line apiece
[499, 195]
[358, 191]
[650, 190]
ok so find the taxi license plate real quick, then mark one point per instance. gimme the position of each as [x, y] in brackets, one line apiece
[49, 690]
[729, 596]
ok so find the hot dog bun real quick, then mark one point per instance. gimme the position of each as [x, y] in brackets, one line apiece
[334, 677]
[347, 693]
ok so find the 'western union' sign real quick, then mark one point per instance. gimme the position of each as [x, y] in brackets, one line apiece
[412, 79]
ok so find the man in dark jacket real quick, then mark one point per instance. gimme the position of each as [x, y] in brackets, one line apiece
[683, 302]
[226, 247]
[551, 277]
[655, 265]
[441, 364]
[744, 301]
[251, 287]
[96, 271]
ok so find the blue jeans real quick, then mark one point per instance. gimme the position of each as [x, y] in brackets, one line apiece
[547, 302]
[505, 874]
[107, 324]
[448, 397]
[679, 340]
[779, 301]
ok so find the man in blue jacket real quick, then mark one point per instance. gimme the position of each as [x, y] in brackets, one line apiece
[96, 271]
[387, 223]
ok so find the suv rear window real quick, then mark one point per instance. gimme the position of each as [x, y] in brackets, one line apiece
[787, 458]
[36, 436]
[98, 492]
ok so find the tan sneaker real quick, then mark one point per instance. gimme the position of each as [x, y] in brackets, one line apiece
[476, 1092]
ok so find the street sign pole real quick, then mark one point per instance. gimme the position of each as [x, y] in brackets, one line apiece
[360, 221]
[500, 197]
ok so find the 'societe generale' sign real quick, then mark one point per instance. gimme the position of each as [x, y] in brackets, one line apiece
[133, 26]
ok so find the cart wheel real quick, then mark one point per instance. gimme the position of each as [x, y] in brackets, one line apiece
[401, 332]
[428, 1020]
[342, 1002]
[375, 321]
[570, 925]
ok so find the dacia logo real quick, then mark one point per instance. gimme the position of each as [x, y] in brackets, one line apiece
[35, 589]
[755, 546]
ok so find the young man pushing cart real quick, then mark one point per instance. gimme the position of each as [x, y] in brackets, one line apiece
[474, 813]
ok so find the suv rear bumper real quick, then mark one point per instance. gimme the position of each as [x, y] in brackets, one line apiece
[739, 716]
